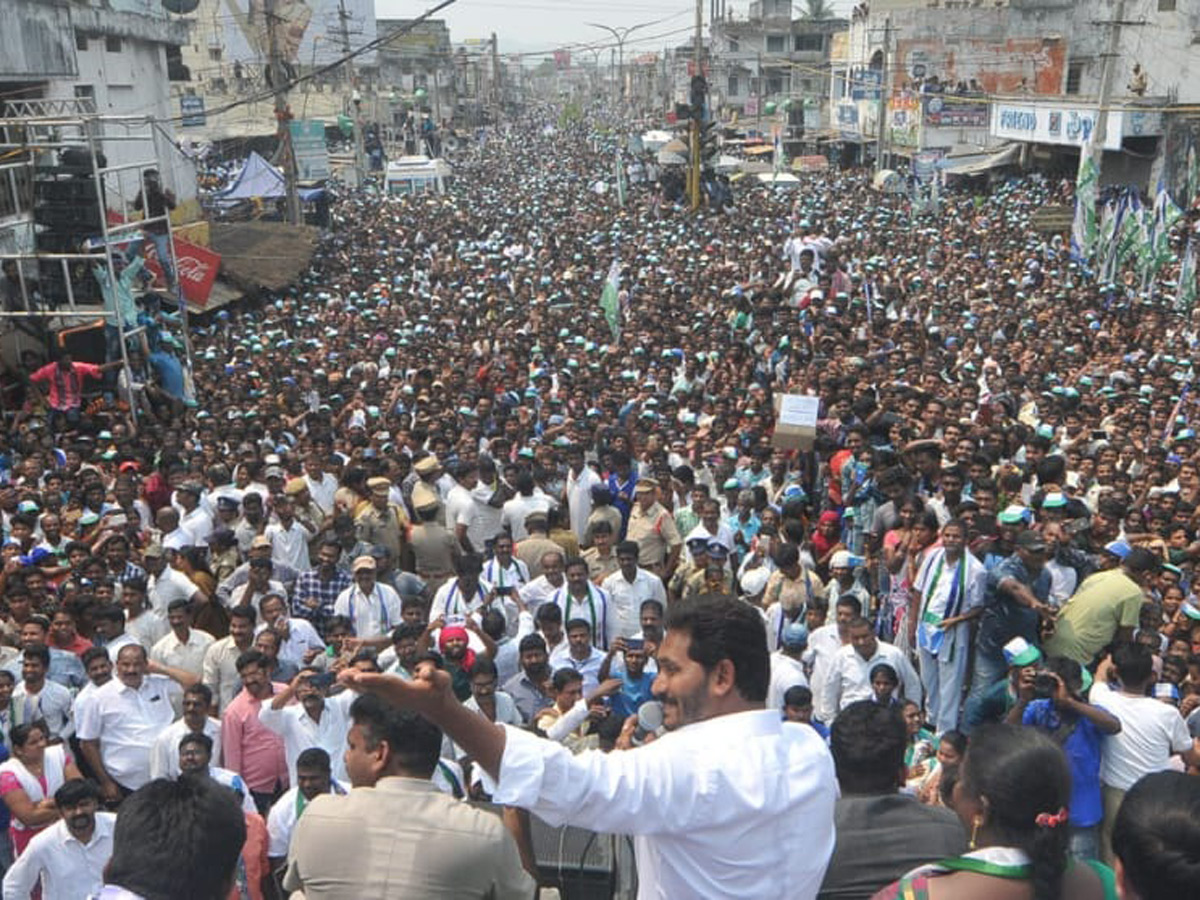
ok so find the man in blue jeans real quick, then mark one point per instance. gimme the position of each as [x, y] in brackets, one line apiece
[1018, 590]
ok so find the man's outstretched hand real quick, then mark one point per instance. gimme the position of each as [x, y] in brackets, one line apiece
[427, 693]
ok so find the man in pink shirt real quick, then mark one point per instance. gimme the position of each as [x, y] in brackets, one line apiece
[250, 748]
[63, 380]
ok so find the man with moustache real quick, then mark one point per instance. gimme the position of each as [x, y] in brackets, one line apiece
[732, 801]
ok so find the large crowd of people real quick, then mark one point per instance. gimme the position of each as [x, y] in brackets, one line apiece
[952, 650]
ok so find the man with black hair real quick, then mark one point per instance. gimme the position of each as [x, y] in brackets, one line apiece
[881, 832]
[1151, 731]
[164, 755]
[314, 777]
[1104, 609]
[350, 846]
[68, 857]
[176, 840]
[734, 801]
[117, 730]
[528, 687]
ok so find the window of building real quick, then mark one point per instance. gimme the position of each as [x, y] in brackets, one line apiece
[112, 43]
[733, 86]
[775, 43]
[1074, 77]
[808, 43]
[214, 53]
[85, 92]
[733, 45]
[81, 42]
[1166, 5]
[774, 85]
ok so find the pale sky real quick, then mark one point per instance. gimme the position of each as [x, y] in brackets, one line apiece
[536, 25]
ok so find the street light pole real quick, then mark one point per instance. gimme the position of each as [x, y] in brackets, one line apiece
[619, 35]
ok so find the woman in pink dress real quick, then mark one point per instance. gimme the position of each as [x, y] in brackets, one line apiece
[28, 782]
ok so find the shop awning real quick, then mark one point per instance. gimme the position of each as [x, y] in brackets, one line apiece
[977, 164]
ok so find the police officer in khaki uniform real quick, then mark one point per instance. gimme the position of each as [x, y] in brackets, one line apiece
[435, 549]
[654, 530]
[386, 524]
[697, 548]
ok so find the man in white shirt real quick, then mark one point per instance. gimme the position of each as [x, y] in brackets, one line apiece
[787, 670]
[504, 569]
[164, 755]
[303, 716]
[627, 589]
[732, 802]
[313, 778]
[166, 583]
[849, 676]
[542, 588]
[193, 517]
[372, 608]
[824, 643]
[581, 599]
[37, 697]
[1152, 732]
[289, 535]
[69, 857]
[220, 659]
[127, 714]
[299, 642]
[321, 485]
[195, 752]
[184, 647]
[461, 508]
[581, 478]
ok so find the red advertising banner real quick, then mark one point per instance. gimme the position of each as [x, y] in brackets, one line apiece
[198, 267]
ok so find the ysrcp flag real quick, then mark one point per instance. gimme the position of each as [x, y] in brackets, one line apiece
[1084, 231]
[609, 301]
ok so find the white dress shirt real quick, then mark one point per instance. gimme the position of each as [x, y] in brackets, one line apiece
[538, 591]
[281, 820]
[786, 672]
[299, 731]
[849, 677]
[736, 806]
[290, 545]
[301, 638]
[372, 614]
[168, 585]
[593, 609]
[67, 868]
[625, 600]
[187, 655]
[164, 755]
[824, 644]
[126, 721]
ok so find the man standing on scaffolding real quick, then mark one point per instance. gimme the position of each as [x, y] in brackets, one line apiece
[64, 387]
[157, 202]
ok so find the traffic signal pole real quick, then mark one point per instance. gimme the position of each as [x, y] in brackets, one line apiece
[697, 112]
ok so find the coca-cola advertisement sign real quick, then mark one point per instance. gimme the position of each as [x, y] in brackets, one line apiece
[197, 269]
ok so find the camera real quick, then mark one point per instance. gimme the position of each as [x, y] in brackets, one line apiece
[1045, 686]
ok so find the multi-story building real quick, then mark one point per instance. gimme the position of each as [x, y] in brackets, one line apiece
[960, 76]
[75, 60]
[418, 58]
[767, 56]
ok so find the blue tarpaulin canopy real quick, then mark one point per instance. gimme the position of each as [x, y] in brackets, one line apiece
[259, 178]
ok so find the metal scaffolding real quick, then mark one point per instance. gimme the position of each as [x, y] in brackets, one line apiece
[37, 142]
